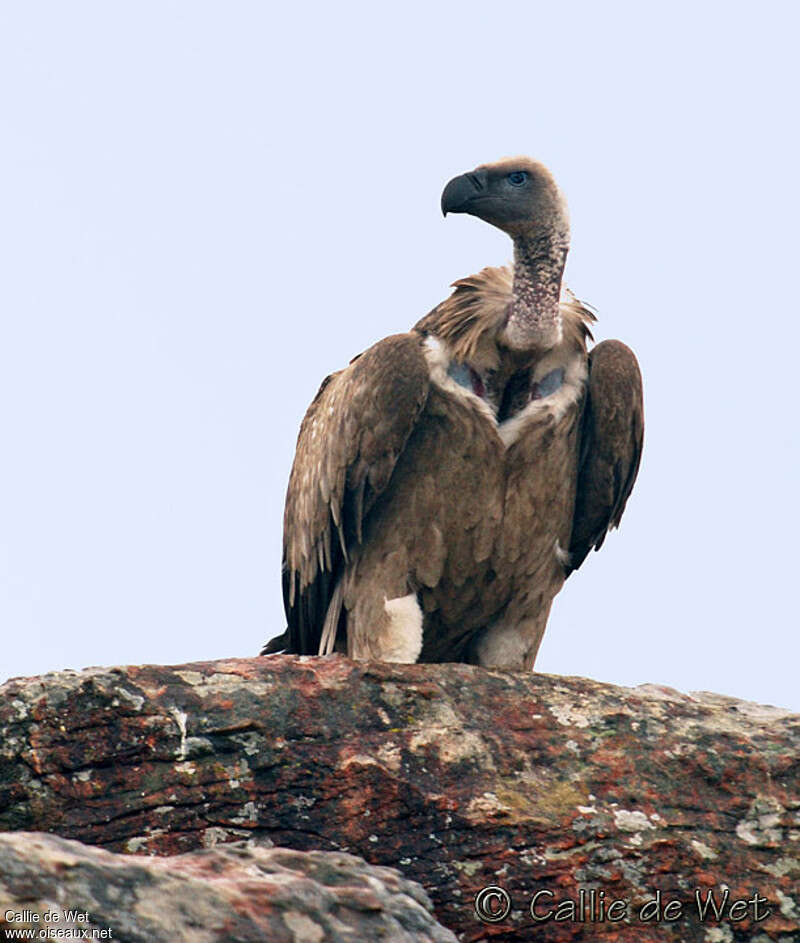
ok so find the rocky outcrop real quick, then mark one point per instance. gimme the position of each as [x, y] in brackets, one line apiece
[235, 892]
[562, 791]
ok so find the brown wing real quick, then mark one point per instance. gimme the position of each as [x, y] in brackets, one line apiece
[611, 447]
[349, 443]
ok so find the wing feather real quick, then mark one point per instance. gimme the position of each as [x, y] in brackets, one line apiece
[348, 445]
[612, 435]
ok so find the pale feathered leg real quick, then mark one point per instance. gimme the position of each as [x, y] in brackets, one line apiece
[384, 620]
[391, 632]
[512, 644]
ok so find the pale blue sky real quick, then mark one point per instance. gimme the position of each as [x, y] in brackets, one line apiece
[205, 208]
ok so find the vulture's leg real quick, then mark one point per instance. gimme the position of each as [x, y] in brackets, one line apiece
[510, 644]
[385, 622]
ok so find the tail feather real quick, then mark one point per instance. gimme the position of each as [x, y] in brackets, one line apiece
[331, 624]
[275, 645]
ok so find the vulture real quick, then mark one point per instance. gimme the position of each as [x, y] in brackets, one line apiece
[449, 480]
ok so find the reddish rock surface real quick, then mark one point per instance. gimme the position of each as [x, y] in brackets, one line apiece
[460, 777]
[231, 893]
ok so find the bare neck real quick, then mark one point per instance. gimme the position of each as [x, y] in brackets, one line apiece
[535, 320]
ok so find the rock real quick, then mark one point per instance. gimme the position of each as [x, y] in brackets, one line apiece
[235, 892]
[458, 776]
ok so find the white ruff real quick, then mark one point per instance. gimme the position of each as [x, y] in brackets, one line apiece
[555, 405]
[438, 357]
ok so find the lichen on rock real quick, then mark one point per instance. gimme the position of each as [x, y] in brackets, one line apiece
[462, 777]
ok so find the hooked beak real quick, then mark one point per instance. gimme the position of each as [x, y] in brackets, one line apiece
[459, 195]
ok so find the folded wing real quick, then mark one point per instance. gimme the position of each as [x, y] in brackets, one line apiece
[349, 443]
[611, 447]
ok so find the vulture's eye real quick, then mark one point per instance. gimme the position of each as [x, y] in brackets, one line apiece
[517, 177]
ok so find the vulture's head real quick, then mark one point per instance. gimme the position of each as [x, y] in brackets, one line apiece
[516, 194]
